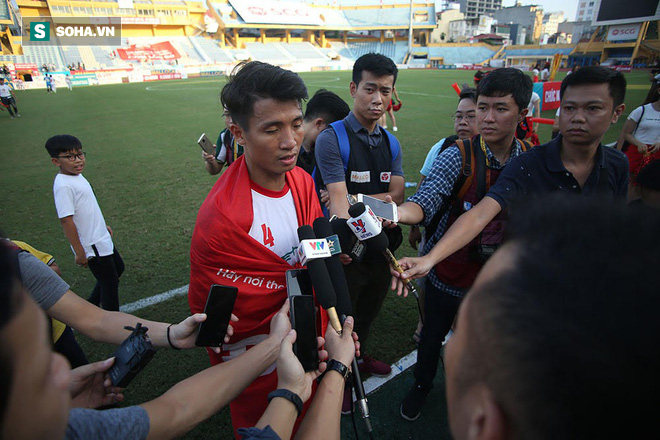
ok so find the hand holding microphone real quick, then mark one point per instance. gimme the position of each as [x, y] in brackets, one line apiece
[366, 226]
[312, 251]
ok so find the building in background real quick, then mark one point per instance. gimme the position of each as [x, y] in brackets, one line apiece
[441, 33]
[473, 9]
[587, 10]
[530, 17]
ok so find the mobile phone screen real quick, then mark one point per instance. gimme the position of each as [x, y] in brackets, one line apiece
[298, 282]
[219, 306]
[303, 320]
[387, 211]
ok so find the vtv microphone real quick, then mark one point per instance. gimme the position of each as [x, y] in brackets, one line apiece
[323, 229]
[311, 252]
[366, 226]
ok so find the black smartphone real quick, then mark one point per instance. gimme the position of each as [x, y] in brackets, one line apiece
[219, 306]
[303, 320]
[298, 282]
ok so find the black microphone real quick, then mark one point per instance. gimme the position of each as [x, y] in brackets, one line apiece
[323, 229]
[318, 274]
[368, 228]
[350, 245]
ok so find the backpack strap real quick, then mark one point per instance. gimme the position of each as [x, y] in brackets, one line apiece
[461, 185]
[525, 145]
[342, 139]
[395, 146]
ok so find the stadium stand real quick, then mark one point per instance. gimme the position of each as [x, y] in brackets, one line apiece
[536, 52]
[458, 55]
[304, 51]
[213, 51]
[390, 17]
[39, 54]
[269, 52]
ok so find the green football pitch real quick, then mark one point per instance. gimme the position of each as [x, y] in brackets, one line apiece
[149, 178]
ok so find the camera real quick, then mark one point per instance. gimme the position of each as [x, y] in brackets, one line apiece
[132, 356]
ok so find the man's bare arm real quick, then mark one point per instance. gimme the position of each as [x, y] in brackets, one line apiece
[338, 201]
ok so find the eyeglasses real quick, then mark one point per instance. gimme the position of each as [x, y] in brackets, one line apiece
[73, 157]
[459, 118]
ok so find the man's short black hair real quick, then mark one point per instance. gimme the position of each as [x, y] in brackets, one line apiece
[11, 301]
[375, 63]
[468, 93]
[598, 75]
[252, 81]
[327, 106]
[507, 81]
[567, 338]
[62, 143]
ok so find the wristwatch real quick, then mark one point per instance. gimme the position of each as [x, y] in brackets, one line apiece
[337, 366]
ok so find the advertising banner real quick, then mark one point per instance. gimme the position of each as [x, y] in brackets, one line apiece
[158, 51]
[281, 12]
[549, 93]
[162, 76]
[623, 32]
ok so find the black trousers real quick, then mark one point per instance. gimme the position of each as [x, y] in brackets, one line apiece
[439, 311]
[107, 271]
[368, 283]
[68, 347]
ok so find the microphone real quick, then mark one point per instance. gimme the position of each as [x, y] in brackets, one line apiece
[323, 229]
[311, 251]
[349, 243]
[366, 226]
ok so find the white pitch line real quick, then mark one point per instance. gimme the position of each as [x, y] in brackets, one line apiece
[153, 300]
[374, 383]
[370, 385]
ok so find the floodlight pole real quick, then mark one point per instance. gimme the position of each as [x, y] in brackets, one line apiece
[410, 28]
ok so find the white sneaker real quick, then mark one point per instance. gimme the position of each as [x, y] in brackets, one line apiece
[395, 129]
[17, 115]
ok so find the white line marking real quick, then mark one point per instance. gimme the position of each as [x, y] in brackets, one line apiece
[374, 383]
[153, 300]
[370, 385]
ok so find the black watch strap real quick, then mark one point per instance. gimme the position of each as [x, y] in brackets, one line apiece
[288, 395]
[337, 366]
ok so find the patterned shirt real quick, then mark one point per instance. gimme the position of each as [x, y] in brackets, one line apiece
[435, 189]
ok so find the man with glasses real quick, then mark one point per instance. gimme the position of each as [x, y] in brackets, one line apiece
[83, 222]
[451, 189]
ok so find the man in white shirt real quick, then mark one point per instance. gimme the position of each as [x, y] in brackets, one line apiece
[8, 99]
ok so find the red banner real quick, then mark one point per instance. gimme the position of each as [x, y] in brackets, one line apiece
[550, 96]
[158, 51]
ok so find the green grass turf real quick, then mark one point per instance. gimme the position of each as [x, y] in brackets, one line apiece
[148, 175]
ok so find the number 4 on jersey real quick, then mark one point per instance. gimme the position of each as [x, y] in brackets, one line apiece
[268, 235]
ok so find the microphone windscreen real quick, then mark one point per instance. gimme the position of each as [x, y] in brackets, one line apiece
[323, 229]
[357, 210]
[346, 237]
[378, 243]
[318, 273]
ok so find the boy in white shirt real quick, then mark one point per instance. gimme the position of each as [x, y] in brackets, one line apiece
[83, 222]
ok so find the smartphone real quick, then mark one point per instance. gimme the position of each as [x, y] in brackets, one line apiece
[206, 144]
[298, 282]
[382, 209]
[219, 306]
[303, 320]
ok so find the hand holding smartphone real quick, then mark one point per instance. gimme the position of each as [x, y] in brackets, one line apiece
[382, 209]
[206, 144]
[303, 318]
[219, 305]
